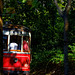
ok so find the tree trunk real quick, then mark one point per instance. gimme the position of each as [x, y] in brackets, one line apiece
[65, 45]
[1, 41]
[1, 47]
[63, 14]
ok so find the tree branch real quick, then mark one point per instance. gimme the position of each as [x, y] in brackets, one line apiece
[1, 5]
[68, 6]
[59, 10]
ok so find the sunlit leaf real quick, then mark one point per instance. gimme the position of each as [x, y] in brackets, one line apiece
[23, 1]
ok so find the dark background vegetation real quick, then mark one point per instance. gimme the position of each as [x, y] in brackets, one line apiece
[47, 28]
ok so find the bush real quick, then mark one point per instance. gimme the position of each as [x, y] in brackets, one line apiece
[71, 53]
[47, 56]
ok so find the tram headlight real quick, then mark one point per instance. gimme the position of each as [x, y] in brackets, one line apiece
[25, 65]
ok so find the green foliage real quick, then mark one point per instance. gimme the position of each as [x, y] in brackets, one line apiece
[23, 1]
[71, 30]
[71, 53]
[34, 3]
[47, 28]
[58, 57]
[47, 56]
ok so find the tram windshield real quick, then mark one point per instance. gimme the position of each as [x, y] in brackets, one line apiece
[17, 43]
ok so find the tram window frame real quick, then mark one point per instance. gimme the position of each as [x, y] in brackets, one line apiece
[5, 49]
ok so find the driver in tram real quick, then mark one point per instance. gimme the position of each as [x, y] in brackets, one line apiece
[13, 45]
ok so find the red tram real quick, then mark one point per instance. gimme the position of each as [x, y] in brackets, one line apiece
[16, 48]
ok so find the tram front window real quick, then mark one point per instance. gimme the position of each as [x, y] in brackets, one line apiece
[5, 39]
[15, 43]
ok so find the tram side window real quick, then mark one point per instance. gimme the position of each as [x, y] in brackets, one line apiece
[25, 44]
[5, 39]
[15, 42]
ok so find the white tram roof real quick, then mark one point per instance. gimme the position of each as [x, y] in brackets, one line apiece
[15, 30]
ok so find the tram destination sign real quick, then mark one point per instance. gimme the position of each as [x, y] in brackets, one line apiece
[13, 32]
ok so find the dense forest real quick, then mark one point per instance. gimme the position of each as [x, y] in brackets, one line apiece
[47, 28]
